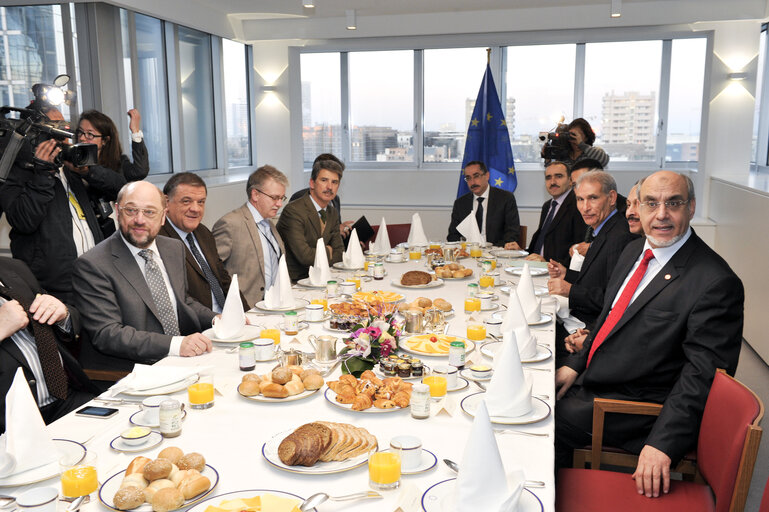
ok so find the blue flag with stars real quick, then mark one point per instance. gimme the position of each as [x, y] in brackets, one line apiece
[488, 139]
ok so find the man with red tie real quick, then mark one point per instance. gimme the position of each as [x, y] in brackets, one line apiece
[672, 315]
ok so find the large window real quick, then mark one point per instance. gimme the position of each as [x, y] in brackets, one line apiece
[236, 103]
[321, 105]
[197, 99]
[687, 72]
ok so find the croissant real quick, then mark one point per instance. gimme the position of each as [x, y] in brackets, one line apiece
[361, 402]
[346, 395]
[371, 377]
[384, 404]
[335, 385]
[393, 382]
[401, 399]
[383, 393]
[365, 387]
[348, 379]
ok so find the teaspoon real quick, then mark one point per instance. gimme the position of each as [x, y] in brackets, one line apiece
[316, 499]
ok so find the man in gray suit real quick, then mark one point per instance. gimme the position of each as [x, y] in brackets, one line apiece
[131, 290]
[246, 239]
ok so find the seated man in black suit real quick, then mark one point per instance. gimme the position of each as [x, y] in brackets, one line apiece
[673, 314]
[494, 209]
[33, 328]
[560, 223]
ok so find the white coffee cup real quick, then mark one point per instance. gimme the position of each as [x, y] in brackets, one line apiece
[411, 451]
[493, 326]
[450, 372]
[485, 300]
[495, 275]
[347, 287]
[396, 255]
[314, 312]
[151, 408]
[42, 499]
[264, 348]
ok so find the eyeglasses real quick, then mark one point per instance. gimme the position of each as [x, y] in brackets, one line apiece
[474, 176]
[274, 198]
[133, 212]
[673, 206]
[87, 135]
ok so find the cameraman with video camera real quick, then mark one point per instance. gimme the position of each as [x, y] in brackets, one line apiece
[571, 143]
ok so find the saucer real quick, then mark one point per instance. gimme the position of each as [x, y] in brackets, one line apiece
[137, 419]
[428, 462]
[467, 373]
[119, 445]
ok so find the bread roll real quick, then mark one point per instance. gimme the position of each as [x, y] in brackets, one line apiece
[282, 375]
[458, 274]
[423, 302]
[192, 460]
[313, 382]
[167, 499]
[273, 390]
[128, 498]
[468, 272]
[192, 486]
[306, 373]
[294, 387]
[249, 388]
[154, 487]
[172, 454]
[134, 480]
[442, 304]
[156, 469]
[251, 376]
[137, 465]
[295, 369]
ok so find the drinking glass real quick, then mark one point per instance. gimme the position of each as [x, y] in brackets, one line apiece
[78, 474]
[201, 393]
[476, 332]
[437, 385]
[384, 469]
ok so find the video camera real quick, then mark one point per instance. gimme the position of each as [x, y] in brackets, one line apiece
[557, 143]
[20, 137]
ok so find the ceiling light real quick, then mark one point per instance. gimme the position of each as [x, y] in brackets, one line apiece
[351, 24]
[736, 77]
[616, 8]
[308, 4]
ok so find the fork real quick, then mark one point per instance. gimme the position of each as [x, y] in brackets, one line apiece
[521, 432]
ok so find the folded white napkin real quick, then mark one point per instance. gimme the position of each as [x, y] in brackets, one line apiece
[468, 228]
[525, 291]
[353, 256]
[280, 294]
[417, 232]
[233, 320]
[26, 438]
[320, 273]
[144, 377]
[576, 262]
[508, 393]
[570, 323]
[382, 244]
[481, 483]
[515, 322]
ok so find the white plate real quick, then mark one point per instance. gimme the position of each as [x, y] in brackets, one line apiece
[298, 304]
[154, 439]
[539, 410]
[432, 284]
[466, 373]
[34, 475]
[462, 383]
[112, 485]
[428, 462]
[164, 390]
[469, 347]
[543, 318]
[308, 284]
[471, 276]
[440, 497]
[534, 271]
[331, 398]
[508, 253]
[539, 291]
[340, 266]
[250, 333]
[491, 307]
[543, 353]
[216, 500]
[137, 419]
[403, 260]
[270, 454]
[270, 400]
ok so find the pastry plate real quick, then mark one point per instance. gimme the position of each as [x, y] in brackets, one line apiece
[466, 373]
[270, 454]
[469, 345]
[440, 497]
[432, 284]
[270, 400]
[534, 271]
[163, 390]
[34, 475]
[459, 278]
[219, 498]
[491, 348]
[331, 398]
[543, 318]
[112, 485]
[508, 253]
[298, 304]
[308, 284]
[250, 333]
[388, 297]
[428, 462]
[539, 410]
[137, 419]
[154, 439]
[539, 291]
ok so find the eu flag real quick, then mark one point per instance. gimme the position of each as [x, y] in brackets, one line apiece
[488, 139]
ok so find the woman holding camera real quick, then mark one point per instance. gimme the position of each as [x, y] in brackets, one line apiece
[114, 169]
[581, 137]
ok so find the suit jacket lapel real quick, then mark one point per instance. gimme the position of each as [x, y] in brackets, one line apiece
[313, 215]
[256, 238]
[561, 211]
[125, 263]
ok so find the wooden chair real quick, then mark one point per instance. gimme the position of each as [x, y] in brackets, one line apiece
[727, 447]
[522, 237]
[398, 233]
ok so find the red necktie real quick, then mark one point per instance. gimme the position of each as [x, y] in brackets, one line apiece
[619, 308]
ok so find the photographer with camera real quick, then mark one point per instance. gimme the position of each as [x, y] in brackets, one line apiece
[114, 169]
[571, 143]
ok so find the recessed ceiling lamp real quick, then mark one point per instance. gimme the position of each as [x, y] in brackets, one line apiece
[351, 24]
[616, 8]
[308, 4]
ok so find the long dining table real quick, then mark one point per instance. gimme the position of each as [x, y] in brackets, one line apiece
[231, 434]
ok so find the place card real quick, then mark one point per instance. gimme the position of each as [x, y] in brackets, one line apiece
[409, 499]
[446, 405]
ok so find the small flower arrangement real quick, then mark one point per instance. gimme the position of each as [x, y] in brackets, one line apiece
[371, 339]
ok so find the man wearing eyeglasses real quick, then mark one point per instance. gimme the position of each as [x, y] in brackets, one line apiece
[495, 209]
[132, 293]
[246, 238]
[673, 314]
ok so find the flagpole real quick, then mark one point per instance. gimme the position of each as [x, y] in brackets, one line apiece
[488, 55]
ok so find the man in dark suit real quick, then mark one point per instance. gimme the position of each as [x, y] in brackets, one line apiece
[34, 328]
[131, 290]
[495, 210]
[311, 217]
[560, 223]
[207, 280]
[673, 314]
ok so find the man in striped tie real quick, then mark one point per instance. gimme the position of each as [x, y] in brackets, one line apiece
[672, 315]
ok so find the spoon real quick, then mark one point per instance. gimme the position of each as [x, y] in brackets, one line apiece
[316, 499]
[527, 483]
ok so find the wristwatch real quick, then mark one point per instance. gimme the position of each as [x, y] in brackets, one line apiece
[137, 136]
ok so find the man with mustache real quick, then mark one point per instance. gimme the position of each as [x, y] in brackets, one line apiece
[673, 314]
[560, 224]
[311, 217]
[495, 209]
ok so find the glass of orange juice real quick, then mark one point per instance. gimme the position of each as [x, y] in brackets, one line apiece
[275, 333]
[472, 304]
[437, 385]
[201, 393]
[415, 253]
[476, 332]
[78, 474]
[475, 250]
[356, 280]
[384, 469]
[486, 281]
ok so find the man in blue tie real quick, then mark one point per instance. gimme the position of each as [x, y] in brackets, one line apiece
[246, 239]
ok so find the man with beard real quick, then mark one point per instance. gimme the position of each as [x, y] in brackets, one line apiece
[494, 209]
[132, 293]
[311, 217]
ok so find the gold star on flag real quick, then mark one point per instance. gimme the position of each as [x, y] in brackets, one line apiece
[498, 182]
[511, 170]
[474, 122]
[489, 117]
[503, 123]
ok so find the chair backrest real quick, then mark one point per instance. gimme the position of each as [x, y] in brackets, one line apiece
[398, 233]
[522, 237]
[729, 436]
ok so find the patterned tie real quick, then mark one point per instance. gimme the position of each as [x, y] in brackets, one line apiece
[589, 235]
[624, 301]
[47, 350]
[537, 247]
[157, 285]
[479, 214]
[216, 288]
[264, 228]
[322, 213]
